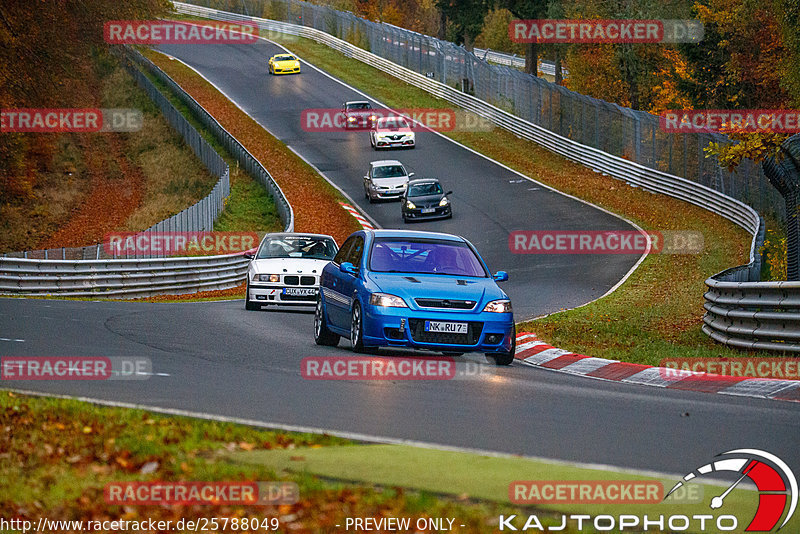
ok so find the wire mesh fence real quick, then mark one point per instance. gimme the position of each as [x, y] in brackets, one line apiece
[630, 134]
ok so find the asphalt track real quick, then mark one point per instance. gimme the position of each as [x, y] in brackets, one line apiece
[489, 201]
[219, 359]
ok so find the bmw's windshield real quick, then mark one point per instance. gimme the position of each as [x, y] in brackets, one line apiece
[318, 248]
[425, 256]
[358, 105]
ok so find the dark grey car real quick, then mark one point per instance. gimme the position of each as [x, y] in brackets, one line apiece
[425, 199]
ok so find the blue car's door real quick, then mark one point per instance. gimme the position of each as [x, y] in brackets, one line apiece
[349, 282]
[340, 286]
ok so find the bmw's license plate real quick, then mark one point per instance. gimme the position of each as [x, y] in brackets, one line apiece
[445, 328]
[299, 291]
[428, 210]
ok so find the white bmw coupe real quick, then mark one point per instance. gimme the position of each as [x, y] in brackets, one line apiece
[285, 269]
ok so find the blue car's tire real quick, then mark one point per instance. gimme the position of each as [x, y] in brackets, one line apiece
[505, 358]
[323, 336]
[357, 328]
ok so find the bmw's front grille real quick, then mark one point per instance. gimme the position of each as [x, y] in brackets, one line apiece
[294, 280]
[446, 303]
[418, 334]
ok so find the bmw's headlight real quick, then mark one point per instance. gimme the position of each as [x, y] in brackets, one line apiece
[410, 205]
[498, 306]
[351, 119]
[373, 117]
[444, 201]
[387, 301]
[267, 277]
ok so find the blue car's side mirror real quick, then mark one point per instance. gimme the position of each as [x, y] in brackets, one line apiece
[500, 276]
[349, 268]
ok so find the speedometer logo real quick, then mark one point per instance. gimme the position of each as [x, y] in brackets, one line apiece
[776, 484]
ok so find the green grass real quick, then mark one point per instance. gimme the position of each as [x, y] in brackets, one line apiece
[63, 452]
[477, 477]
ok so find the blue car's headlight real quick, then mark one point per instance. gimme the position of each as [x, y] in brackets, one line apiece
[387, 301]
[498, 306]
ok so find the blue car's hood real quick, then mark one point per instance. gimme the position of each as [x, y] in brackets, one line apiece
[435, 286]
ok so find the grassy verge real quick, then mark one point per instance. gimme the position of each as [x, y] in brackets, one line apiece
[249, 206]
[314, 201]
[81, 447]
[101, 182]
[657, 313]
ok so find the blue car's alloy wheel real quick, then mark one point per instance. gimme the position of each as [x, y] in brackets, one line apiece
[323, 336]
[357, 329]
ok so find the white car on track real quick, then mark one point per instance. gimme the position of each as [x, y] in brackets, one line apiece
[392, 132]
[286, 268]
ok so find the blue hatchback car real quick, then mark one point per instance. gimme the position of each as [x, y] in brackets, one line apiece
[422, 290]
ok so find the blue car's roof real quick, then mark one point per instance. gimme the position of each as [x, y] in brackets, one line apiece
[415, 233]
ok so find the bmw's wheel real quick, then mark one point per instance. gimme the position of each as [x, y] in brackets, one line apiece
[323, 336]
[357, 329]
[505, 358]
[250, 306]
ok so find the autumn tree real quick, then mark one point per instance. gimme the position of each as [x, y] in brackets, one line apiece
[44, 48]
[465, 18]
[526, 10]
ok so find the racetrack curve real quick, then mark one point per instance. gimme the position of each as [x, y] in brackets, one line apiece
[227, 361]
[220, 359]
[489, 201]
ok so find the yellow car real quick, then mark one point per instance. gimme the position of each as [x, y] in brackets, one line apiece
[284, 64]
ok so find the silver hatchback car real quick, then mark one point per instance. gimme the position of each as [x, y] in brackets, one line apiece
[386, 180]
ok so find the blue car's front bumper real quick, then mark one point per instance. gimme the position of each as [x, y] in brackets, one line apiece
[486, 331]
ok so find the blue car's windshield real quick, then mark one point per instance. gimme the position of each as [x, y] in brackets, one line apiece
[424, 256]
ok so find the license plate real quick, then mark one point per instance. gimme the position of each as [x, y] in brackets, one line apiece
[299, 291]
[428, 210]
[445, 328]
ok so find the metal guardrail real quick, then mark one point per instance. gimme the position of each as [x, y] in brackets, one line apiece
[131, 278]
[518, 62]
[121, 278]
[245, 159]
